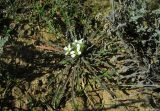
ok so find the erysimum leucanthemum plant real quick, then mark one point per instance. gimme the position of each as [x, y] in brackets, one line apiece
[82, 71]
[83, 56]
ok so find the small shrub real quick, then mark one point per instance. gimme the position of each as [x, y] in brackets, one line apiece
[137, 24]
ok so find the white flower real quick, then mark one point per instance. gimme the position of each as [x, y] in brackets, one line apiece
[67, 49]
[75, 42]
[79, 52]
[78, 47]
[72, 54]
[80, 41]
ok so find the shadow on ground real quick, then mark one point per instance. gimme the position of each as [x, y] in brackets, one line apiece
[28, 63]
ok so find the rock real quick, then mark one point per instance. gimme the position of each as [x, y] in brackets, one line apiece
[16, 92]
[26, 27]
[37, 109]
[123, 70]
[117, 58]
[12, 25]
[21, 33]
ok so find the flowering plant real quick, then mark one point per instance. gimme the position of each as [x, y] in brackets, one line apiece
[74, 49]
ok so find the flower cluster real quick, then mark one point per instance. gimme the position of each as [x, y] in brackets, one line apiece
[74, 49]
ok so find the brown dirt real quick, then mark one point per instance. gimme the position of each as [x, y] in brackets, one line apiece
[39, 89]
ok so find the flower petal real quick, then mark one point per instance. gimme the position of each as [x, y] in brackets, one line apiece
[80, 41]
[66, 53]
[79, 52]
[73, 55]
[69, 47]
[78, 46]
[76, 41]
[72, 52]
[65, 48]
